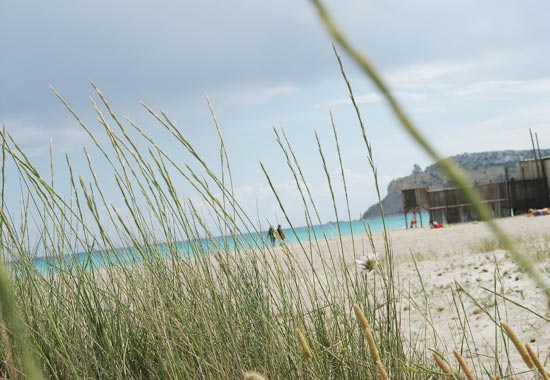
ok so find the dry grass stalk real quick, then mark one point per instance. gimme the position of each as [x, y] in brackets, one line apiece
[254, 375]
[368, 332]
[519, 346]
[303, 343]
[442, 365]
[535, 359]
[7, 354]
[361, 317]
[382, 374]
[463, 365]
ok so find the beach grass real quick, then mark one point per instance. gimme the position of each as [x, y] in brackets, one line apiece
[252, 311]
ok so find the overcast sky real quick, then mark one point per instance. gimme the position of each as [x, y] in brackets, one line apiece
[474, 75]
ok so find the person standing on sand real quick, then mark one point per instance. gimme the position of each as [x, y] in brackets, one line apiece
[271, 235]
[281, 233]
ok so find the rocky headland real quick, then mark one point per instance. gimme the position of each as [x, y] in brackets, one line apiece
[482, 167]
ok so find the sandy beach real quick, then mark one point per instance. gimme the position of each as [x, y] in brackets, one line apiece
[461, 268]
[465, 259]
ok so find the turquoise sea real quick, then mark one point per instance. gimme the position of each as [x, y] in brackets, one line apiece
[132, 255]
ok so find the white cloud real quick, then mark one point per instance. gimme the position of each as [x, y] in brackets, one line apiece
[353, 179]
[261, 95]
[35, 139]
[430, 109]
[260, 204]
[427, 74]
[373, 97]
[509, 130]
[535, 117]
[367, 98]
[360, 190]
[506, 86]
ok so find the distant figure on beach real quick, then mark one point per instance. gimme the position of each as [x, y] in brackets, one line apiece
[281, 233]
[434, 224]
[539, 211]
[271, 235]
[413, 222]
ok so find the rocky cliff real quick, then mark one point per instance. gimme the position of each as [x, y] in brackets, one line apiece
[481, 167]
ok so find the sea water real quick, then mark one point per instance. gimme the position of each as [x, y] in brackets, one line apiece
[223, 244]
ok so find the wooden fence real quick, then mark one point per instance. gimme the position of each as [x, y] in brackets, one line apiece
[415, 201]
[450, 206]
[528, 193]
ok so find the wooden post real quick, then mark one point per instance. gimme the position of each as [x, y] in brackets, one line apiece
[507, 185]
[543, 169]
[404, 209]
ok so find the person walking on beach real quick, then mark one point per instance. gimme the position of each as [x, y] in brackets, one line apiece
[271, 235]
[281, 233]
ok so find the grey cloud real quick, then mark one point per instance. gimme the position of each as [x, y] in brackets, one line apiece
[166, 50]
[136, 48]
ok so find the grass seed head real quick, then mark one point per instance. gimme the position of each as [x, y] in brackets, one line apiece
[463, 365]
[303, 343]
[361, 317]
[442, 365]
[253, 375]
[536, 361]
[519, 346]
[368, 332]
[382, 374]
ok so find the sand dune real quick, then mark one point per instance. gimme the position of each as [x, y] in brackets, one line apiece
[468, 283]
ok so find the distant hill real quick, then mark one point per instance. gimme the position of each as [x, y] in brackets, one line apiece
[481, 167]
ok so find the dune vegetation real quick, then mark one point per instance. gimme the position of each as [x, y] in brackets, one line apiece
[231, 308]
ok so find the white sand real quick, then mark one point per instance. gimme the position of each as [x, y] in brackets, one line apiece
[458, 256]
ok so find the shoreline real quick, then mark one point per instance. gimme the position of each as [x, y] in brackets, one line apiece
[451, 239]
